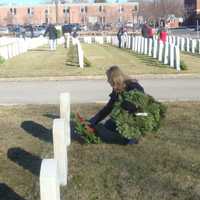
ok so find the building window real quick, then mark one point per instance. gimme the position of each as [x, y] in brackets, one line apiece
[13, 11]
[84, 9]
[121, 9]
[100, 8]
[30, 11]
[135, 8]
[120, 19]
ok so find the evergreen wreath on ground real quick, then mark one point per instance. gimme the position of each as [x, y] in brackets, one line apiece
[83, 128]
[131, 126]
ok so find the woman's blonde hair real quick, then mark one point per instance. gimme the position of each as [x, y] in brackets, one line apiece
[116, 77]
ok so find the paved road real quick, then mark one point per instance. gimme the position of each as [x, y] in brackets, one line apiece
[83, 91]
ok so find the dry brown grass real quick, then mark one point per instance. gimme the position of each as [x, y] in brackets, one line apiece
[162, 166]
[44, 63]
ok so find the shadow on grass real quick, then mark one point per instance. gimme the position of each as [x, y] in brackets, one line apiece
[196, 55]
[38, 131]
[39, 49]
[51, 116]
[149, 61]
[70, 63]
[25, 159]
[6, 193]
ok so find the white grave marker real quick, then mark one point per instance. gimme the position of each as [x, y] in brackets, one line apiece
[60, 149]
[49, 182]
[65, 114]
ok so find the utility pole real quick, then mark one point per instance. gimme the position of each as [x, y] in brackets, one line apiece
[156, 19]
[56, 4]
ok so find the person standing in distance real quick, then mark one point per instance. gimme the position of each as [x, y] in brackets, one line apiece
[52, 34]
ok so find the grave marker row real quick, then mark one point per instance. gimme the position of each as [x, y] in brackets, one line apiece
[54, 171]
[186, 44]
[10, 47]
[166, 53]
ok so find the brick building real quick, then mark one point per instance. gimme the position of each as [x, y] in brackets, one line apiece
[192, 11]
[83, 13]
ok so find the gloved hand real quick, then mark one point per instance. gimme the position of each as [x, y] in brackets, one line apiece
[130, 107]
[91, 122]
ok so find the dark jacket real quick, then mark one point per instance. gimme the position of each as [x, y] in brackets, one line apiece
[120, 33]
[106, 110]
[51, 31]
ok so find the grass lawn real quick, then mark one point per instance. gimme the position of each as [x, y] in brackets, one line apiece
[43, 63]
[163, 166]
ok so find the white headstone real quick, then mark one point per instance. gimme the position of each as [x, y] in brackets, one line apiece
[108, 39]
[174, 39]
[182, 44]
[68, 40]
[129, 42]
[177, 58]
[150, 47]
[193, 45]
[188, 44]
[4, 51]
[178, 41]
[160, 51]
[199, 46]
[65, 114]
[60, 149]
[171, 56]
[80, 55]
[155, 48]
[170, 40]
[142, 46]
[166, 53]
[10, 50]
[145, 46]
[167, 38]
[133, 43]
[136, 43]
[49, 182]
[139, 44]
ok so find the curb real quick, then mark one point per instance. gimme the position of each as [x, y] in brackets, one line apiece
[98, 77]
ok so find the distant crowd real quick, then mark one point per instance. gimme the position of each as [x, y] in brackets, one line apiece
[147, 31]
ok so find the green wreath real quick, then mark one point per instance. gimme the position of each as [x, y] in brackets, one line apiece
[135, 125]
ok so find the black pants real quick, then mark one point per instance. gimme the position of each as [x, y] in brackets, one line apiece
[120, 41]
[108, 133]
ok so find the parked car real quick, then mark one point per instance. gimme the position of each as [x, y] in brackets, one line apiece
[4, 30]
[84, 28]
[18, 31]
[68, 28]
[129, 25]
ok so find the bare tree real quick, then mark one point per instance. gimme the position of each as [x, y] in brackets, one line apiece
[156, 9]
[9, 18]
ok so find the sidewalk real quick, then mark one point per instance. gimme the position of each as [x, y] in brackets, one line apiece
[100, 77]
